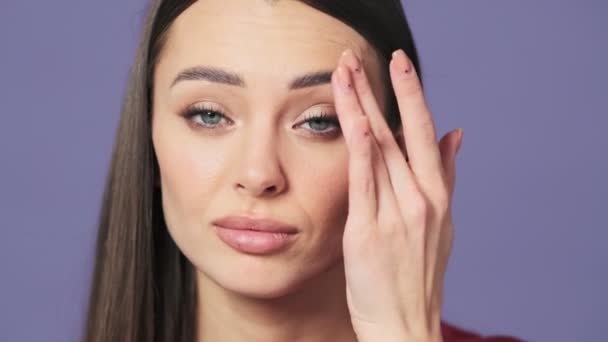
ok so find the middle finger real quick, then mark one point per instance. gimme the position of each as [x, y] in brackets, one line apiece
[349, 110]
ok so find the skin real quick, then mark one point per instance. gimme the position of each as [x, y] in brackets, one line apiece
[399, 233]
[263, 160]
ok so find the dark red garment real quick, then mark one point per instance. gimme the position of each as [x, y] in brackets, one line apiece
[452, 333]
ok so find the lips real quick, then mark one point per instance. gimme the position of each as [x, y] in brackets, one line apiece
[255, 235]
[257, 224]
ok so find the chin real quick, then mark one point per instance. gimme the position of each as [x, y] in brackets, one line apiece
[264, 289]
[263, 277]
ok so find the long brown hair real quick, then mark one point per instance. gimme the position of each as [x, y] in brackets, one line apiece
[143, 287]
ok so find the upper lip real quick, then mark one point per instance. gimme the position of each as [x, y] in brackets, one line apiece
[252, 223]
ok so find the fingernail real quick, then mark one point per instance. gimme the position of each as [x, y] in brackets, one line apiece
[344, 79]
[460, 134]
[402, 63]
[351, 60]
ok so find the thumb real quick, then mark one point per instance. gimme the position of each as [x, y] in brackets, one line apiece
[449, 146]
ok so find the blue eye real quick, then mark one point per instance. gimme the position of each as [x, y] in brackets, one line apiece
[208, 117]
[322, 124]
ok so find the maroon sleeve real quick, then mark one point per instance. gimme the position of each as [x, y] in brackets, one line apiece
[452, 333]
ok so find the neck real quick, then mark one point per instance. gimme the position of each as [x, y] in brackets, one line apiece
[317, 312]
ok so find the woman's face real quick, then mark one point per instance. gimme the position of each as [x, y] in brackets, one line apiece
[259, 157]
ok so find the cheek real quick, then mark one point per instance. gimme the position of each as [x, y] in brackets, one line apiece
[324, 189]
[190, 171]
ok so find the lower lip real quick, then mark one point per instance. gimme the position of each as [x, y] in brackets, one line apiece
[254, 242]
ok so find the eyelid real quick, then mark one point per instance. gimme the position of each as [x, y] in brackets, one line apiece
[196, 109]
[324, 112]
[203, 105]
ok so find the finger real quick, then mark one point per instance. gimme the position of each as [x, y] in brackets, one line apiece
[349, 111]
[418, 126]
[400, 174]
[361, 184]
[449, 146]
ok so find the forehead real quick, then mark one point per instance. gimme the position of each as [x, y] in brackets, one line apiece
[255, 38]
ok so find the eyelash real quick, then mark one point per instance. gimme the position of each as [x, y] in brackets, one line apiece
[198, 110]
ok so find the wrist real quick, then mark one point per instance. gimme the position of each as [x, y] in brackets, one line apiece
[392, 330]
[396, 334]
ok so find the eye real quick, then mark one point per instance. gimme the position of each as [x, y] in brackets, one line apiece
[205, 116]
[322, 124]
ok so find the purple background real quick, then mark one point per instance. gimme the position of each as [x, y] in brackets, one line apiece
[526, 81]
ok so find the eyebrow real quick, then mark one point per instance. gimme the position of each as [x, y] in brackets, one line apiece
[217, 75]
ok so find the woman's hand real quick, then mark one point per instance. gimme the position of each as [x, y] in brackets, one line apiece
[399, 230]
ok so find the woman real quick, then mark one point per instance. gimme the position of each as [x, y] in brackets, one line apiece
[260, 186]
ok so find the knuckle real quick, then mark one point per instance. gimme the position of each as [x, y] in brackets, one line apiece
[418, 211]
[442, 201]
[391, 227]
[360, 222]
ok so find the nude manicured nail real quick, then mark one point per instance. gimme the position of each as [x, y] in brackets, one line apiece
[460, 133]
[352, 60]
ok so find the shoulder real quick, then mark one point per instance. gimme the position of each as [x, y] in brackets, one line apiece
[452, 333]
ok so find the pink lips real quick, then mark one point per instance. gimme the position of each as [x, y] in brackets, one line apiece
[254, 236]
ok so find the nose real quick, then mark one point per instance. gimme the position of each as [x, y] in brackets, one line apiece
[260, 173]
